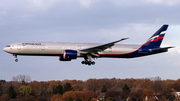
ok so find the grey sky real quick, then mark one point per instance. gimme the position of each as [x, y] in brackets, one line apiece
[89, 21]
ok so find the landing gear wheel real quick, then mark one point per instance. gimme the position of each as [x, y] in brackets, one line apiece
[86, 62]
[89, 63]
[83, 62]
[16, 60]
[93, 63]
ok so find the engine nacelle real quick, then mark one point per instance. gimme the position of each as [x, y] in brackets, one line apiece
[68, 55]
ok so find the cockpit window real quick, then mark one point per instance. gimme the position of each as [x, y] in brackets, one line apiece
[8, 46]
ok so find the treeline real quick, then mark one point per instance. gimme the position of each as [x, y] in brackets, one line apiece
[89, 90]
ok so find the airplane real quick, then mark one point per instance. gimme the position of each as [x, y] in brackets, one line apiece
[70, 51]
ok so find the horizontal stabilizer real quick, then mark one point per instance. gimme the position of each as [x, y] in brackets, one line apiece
[157, 49]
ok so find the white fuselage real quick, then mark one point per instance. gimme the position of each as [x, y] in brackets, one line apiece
[56, 49]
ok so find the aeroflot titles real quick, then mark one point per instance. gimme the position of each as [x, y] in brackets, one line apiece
[24, 44]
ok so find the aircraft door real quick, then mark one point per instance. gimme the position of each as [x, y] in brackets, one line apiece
[42, 47]
[110, 49]
[18, 46]
[79, 47]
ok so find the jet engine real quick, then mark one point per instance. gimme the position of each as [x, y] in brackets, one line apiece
[68, 55]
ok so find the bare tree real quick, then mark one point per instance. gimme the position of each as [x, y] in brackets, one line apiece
[157, 84]
[21, 78]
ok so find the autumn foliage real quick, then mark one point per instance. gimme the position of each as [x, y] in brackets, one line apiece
[25, 90]
[79, 94]
[134, 89]
[56, 97]
[147, 92]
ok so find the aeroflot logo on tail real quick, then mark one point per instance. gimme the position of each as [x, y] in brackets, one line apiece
[24, 44]
[157, 37]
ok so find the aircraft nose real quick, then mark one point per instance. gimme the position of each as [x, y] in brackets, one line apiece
[5, 49]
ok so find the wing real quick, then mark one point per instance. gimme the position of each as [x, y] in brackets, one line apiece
[94, 50]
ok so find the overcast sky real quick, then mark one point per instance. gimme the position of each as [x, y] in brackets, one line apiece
[89, 21]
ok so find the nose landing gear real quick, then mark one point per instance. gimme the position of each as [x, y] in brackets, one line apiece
[15, 57]
[16, 60]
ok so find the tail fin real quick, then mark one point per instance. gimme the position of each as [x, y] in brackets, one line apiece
[155, 40]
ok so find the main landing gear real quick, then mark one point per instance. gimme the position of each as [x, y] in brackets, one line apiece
[15, 57]
[86, 62]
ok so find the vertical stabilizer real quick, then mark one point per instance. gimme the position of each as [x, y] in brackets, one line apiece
[155, 40]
